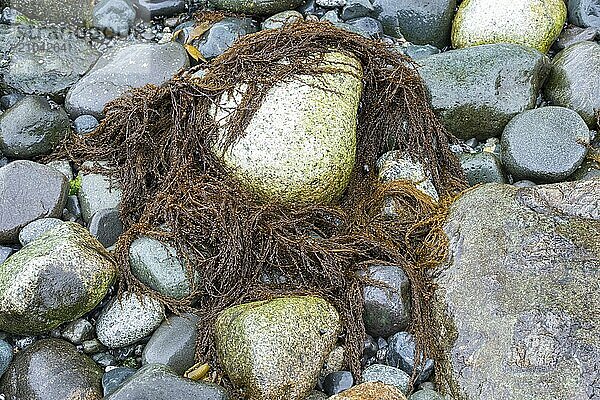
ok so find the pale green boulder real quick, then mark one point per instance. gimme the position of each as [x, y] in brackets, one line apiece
[300, 146]
[56, 278]
[275, 349]
[533, 23]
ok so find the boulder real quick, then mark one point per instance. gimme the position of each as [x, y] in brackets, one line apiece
[261, 7]
[114, 16]
[520, 297]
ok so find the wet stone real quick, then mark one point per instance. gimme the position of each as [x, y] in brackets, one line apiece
[356, 9]
[114, 17]
[370, 27]
[78, 331]
[401, 353]
[148, 9]
[337, 382]
[280, 19]
[85, 124]
[106, 226]
[223, 34]
[113, 379]
[483, 167]
[97, 192]
[36, 228]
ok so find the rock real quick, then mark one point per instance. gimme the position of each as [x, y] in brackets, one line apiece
[545, 145]
[256, 7]
[574, 80]
[283, 18]
[57, 278]
[85, 124]
[335, 361]
[114, 16]
[36, 228]
[532, 23]
[337, 382]
[121, 69]
[32, 128]
[158, 266]
[92, 346]
[386, 309]
[78, 331]
[72, 12]
[30, 191]
[275, 349]
[97, 192]
[106, 226]
[331, 3]
[418, 52]
[49, 60]
[269, 159]
[51, 369]
[522, 285]
[395, 165]
[148, 9]
[223, 34]
[483, 167]
[401, 354]
[6, 356]
[5, 252]
[370, 391]
[584, 13]
[128, 319]
[420, 22]
[389, 375]
[62, 166]
[105, 359]
[113, 379]
[370, 27]
[173, 343]
[159, 382]
[9, 100]
[476, 91]
[426, 394]
[316, 395]
[357, 8]
[571, 35]
[524, 183]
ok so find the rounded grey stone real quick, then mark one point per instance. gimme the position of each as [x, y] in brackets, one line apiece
[97, 192]
[106, 226]
[357, 8]
[115, 15]
[401, 354]
[36, 228]
[6, 356]
[388, 375]
[338, 381]
[283, 18]
[85, 124]
[546, 144]
[223, 34]
[148, 9]
[113, 379]
[426, 394]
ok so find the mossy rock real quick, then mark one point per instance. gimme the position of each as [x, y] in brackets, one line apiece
[261, 7]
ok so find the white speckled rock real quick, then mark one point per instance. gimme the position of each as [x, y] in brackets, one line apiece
[534, 23]
[300, 145]
[126, 320]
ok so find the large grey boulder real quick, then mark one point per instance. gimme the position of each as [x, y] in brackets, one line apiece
[43, 60]
[521, 295]
[476, 91]
[121, 69]
[29, 191]
[57, 278]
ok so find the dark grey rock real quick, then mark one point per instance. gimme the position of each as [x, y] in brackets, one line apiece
[51, 369]
[29, 191]
[357, 8]
[418, 52]
[78, 331]
[113, 379]
[260, 7]
[370, 347]
[57, 278]
[173, 343]
[9, 100]
[223, 34]
[574, 80]
[6, 356]
[476, 91]
[73, 207]
[85, 124]
[544, 145]
[420, 22]
[106, 226]
[121, 69]
[159, 382]
[387, 309]
[36, 228]
[32, 128]
[401, 354]
[386, 374]
[148, 9]
[584, 13]
[97, 192]
[49, 60]
[369, 26]
[574, 34]
[483, 167]
[337, 382]
[105, 360]
[520, 292]
[114, 16]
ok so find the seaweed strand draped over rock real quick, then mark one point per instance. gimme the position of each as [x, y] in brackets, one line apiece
[158, 141]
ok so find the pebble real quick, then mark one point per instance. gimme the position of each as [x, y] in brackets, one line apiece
[113, 379]
[36, 228]
[6, 356]
[482, 167]
[78, 331]
[337, 382]
[85, 124]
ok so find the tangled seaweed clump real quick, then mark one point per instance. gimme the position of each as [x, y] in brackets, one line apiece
[159, 140]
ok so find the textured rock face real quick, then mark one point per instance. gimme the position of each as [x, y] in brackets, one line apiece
[574, 80]
[52, 369]
[533, 23]
[275, 349]
[522, 291]
[78, 12]
[54, 279]
[300, 145]
[476, 91]
[267, 7]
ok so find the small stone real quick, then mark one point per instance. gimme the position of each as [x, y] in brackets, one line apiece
[223, 34]
[5, 252]
[280, 19]
[337, 382]
[371, 391]
[85, 124]
[92, 346]
[331, 16]
[426, 394]
[331, 3]
[419, 52]
[401, 354]
[394, 165]
[36, 228]
[148, 9]
[356, 9]
[62, 166]
[570, 36]
[128, 319]
[78, 331]
[370, 347]
[97, 192]
[389, 375]
[104, 359]
[483, 167]
[116, 16]
[335, 361]
[73, 207]
[106, 226]
[113, 379]
[370, 27]
[9, 100]
[6, 356]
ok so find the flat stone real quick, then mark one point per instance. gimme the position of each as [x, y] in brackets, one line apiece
[97, 192]
[51, 369]
[29, 191]
[532, 23]
[106, 226]
[36, 228]
[57, 278]
[173, 343]
[148, 9]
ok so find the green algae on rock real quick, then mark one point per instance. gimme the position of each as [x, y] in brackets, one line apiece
[261, 7]
[275, 349]
[58, 277]
[533, 23]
